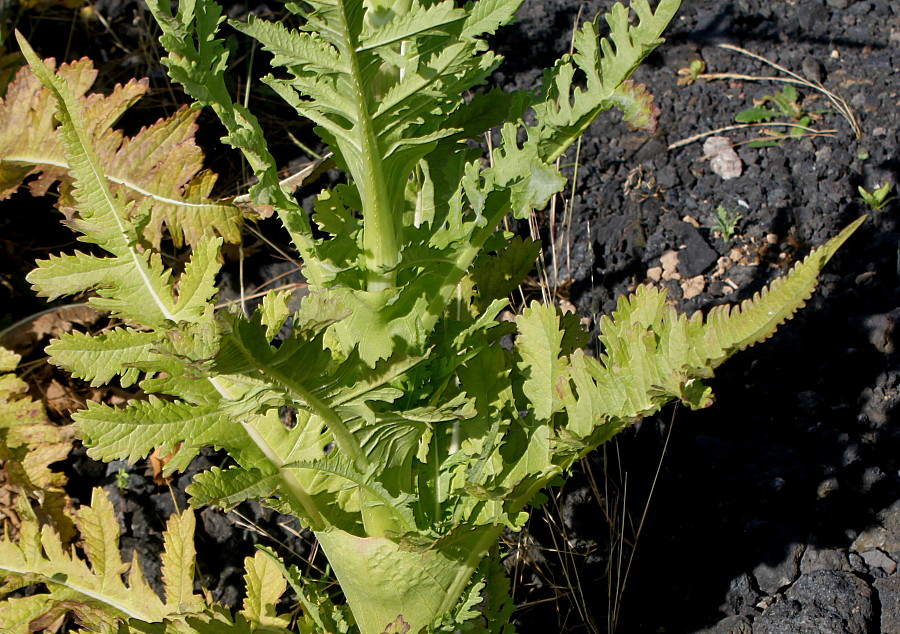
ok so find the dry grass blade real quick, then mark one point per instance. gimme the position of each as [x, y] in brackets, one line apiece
[637, 535]
[741, 126]
[837, 101]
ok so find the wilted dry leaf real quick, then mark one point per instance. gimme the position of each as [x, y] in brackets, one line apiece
[28, 332]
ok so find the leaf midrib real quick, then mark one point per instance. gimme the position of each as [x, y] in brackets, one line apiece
[38, 161]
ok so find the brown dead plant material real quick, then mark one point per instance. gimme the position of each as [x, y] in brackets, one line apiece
[839, 103]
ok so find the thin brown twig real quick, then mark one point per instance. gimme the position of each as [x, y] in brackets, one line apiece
[309, 172]
[836, 100]
[741, 126]
[284, 287]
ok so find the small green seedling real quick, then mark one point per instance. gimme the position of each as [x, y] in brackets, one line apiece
[787, 106]
[122, 480]
[878, 199]
[691, 73]
[726, 222]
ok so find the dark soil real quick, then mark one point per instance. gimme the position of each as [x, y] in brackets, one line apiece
[776, 510]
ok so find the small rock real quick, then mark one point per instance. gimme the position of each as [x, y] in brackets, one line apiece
[827, 487]
[722, 265]
[838, 4]
[217, 525]
[820, 602]
[695, 256]
[655, 273]
[741, 597]
[877, 559]
[857, 564]
[888, 591]
[881, 330]
[673, 290]
[880, 401]
[741, 275]
[694, 286]
[884, 534]
[871, 477]
[723, 160]
[229, 582]
[861, 7]
[850, 455]
[770, 578]
[669, 261]
[140, 526]
[667, 177]
[812, 68]
[823, 559]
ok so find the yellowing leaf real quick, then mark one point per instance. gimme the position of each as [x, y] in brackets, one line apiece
[105, 594]
[161, 164]
[178, 564]
[265, 585]
[29, 442]
[545, 381]
[94, 588]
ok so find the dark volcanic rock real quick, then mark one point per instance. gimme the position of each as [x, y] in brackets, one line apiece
[742, 596]
[821, 601]
[823, 559]
[695, 256]
[883, 534]
[730, 625]
[888, 593]
[772, 577]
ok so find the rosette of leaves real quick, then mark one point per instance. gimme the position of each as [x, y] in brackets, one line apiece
[418, 436]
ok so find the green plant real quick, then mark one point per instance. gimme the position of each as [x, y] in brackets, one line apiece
[787, 105]
[122, 479]
[691, 72]
[726, 222]
[419, 437]
[877, 199]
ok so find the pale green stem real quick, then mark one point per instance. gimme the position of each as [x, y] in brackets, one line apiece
[293, 486]
[464, 575]
[345, 440]
[381, 248]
